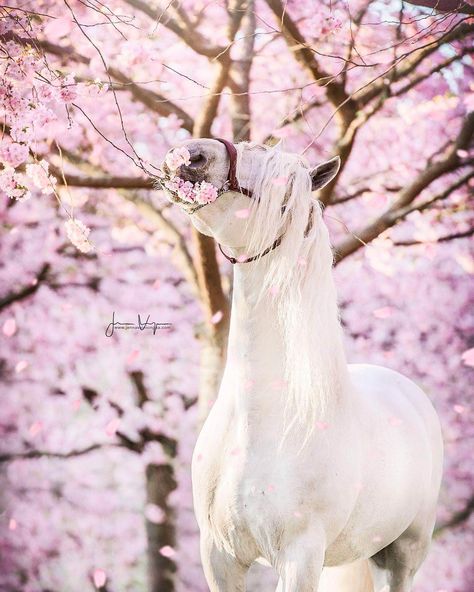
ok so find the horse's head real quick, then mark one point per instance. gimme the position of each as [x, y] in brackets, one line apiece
[222, 187]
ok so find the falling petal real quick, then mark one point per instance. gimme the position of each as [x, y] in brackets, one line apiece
[12, 524]
[167, 551]
[35, 428]
[383, 313]
[395, 421]
[154, 514]
[243, 214]
[459, 409]
[99, 577]
[133, 356]
[322, 425]
[468, 357]
[20, 366]
[112, 427]
[9, 327]
[216, 317]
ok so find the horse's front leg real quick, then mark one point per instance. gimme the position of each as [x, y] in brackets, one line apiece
[301, 562]
[223, 572]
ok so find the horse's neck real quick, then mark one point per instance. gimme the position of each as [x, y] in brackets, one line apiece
[255, 371]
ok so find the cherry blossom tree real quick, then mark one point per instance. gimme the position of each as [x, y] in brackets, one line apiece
[98, 424]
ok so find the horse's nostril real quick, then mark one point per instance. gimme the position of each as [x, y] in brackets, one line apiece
[197, 161]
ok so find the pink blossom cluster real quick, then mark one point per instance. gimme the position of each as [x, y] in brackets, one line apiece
[78, 234]
[200, 192]
[31, 96]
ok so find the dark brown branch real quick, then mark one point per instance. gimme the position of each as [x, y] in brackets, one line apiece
[457, 519]
[27, 290]
[441, 239]
[32, 454]
[411, 60]
[240, 86]
[402, 206]
[191, 36]
[95, 182]
[444, 5]
[303, 53]
[208, 112]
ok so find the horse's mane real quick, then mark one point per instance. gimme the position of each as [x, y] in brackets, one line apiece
[299, 277]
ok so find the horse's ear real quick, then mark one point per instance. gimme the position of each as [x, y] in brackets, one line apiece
[325, 172]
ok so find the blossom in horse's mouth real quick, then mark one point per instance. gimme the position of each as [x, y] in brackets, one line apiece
[200, 192]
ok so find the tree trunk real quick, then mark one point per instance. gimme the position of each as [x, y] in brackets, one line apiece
[160, 482]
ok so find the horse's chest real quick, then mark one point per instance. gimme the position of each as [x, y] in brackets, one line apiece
[245, 505]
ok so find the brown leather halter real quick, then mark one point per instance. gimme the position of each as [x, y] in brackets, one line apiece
[232, 181]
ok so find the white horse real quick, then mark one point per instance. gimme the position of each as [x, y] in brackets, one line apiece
[304, 462]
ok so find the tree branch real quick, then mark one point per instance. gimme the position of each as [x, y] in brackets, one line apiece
[444, 5]
[441, 239]
[240, 98]
[303, 53]
[411, 60]
[31, 454]
[27, 290]
[150, 99]
[457, 519]
[191, 36]
[399, 208]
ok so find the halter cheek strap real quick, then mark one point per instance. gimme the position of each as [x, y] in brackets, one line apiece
[232, 182]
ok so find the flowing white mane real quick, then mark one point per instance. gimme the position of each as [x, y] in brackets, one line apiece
[299, 277]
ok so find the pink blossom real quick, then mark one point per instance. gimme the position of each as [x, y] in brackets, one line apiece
[78, 234]
[39, 175]
[68, 90]
[177, 157]
[186, 191]
[46, 92]
[13, 154]
[14, 185]
[205, 193]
